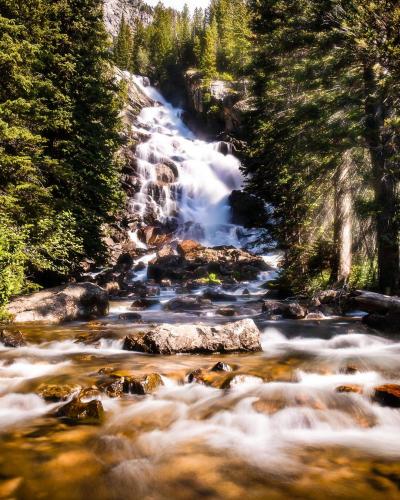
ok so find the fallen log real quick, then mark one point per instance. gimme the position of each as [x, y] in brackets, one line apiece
[375, 302]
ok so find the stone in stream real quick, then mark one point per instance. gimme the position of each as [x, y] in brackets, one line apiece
[182, 304]
[289, 310]
[221, 367]
[240, 336]
[12, 338]
[226, 311]
[77, 412]
[57, 393]
[94, 338]
[216, 296]
[130, 316]
[143, 303]
[387, 395]
[353, 388]
[63, 303]
[142, 385]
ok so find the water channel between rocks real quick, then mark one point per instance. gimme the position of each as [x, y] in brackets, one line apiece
[278, 429]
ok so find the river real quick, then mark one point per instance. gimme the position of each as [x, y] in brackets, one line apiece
[280, 430]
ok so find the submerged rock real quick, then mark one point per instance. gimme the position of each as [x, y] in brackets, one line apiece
[358, 389]
[195, 339]
[57, 393]
[60, 304]
[142, 385]
[12, 338]
[143, 303]
[387, 395]
[77, 412]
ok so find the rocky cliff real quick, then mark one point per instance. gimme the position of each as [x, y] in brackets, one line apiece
[130, 9]
[217, 106]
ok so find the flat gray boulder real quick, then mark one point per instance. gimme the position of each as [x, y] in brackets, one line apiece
[76, 301]
[240, 336]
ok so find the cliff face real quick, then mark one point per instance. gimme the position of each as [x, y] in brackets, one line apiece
[130, 9]
[218, 105]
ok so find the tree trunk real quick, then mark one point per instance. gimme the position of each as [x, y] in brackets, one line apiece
[343, 226]
[384, 186]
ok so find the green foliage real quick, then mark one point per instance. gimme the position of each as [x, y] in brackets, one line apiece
[212, 279]
[123, 46]
[59, 131]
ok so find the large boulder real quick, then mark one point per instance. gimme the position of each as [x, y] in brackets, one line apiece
[240, 336]
[193, 261]
[289, 310]
[60, 304]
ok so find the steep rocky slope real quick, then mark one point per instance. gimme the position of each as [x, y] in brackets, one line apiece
[130, 9]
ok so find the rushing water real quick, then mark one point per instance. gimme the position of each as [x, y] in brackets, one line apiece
[282, 431]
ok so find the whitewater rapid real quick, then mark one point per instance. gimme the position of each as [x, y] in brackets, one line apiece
[198, 198]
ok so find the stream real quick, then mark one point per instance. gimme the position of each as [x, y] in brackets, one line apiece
[279, 430]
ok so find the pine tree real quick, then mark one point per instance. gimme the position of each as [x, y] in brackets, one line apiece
[123, 46]
[208, 62]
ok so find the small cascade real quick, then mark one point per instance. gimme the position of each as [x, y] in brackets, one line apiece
[184, 180]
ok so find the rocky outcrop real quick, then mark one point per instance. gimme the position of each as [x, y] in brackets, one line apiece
[219, 104]
[64, 303]
[192, 261]
[131, 10]
[240, 336]
[387, 395]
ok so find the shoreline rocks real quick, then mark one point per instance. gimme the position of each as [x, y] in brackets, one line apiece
[239, 336]
[78, 301]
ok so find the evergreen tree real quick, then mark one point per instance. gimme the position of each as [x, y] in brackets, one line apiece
[208, 61]
[123, 46]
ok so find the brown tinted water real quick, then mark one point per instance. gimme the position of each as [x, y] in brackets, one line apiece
[282, 432]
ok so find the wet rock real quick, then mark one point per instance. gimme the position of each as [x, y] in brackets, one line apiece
[61, 304]
[240, 336]
[240, 380]
[354, 388]
[246, 291]
[221, 367]
[94, 338]
[387, 395]
[113, 387]
[125, 262]
[57, 393]
[315, 316]
[217, 296]
[196, 261]
[166, 173]
[182, 304]
[77, 412]
[226, 311]
[130, 316]
[140, 266]
[89, 393]
[12, 338]
[142, 385]
[143, 303]
[289, 310]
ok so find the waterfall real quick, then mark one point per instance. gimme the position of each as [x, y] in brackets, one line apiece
[184, 179]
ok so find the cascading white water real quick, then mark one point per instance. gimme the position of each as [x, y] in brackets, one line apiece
[204, 178]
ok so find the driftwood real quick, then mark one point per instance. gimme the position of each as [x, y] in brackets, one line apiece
[376, 303]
